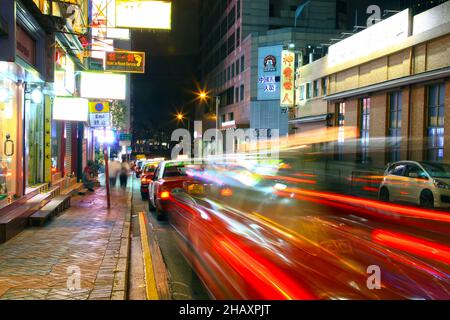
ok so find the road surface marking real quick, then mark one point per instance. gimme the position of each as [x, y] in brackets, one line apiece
[150, 281]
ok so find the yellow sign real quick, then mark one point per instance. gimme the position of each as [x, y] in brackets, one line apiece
[125, 61]
[99, 107]
[144, 14]
[287, 78]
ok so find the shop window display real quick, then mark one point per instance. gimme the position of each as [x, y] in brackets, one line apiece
[34, 138]
[8, 139]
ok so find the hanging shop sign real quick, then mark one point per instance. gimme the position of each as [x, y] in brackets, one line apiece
[96, 85]
[125, 61]
[25, 46]
[95, 64]
[287, 78]
[144, 14]
[70, 109]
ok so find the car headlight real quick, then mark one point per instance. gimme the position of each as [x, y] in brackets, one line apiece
[441, 184]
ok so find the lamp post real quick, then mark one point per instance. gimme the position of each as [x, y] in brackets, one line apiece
[217, 111]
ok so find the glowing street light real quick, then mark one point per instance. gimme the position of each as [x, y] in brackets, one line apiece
[203, 95]
[180, 116]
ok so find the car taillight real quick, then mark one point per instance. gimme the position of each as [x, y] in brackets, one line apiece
[226, 192]
[165, 195]
[146, 179]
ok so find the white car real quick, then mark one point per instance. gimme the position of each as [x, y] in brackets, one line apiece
[423, 183]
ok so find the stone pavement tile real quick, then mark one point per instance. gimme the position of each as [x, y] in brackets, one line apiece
[65, 294]
[100, 295]
[118, 295]
[25, 294]
[86, 235]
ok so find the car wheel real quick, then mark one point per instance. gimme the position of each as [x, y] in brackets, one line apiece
[384, 195]
[150, 204]
[427, 199]
[160, 216]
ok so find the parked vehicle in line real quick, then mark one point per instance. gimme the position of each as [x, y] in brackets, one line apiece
[422, 183]
[146, 177]
[305, 243]
[138, 168]
[168, 176]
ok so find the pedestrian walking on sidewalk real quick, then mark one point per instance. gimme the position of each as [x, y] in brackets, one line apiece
[114, 169]
[124, 172]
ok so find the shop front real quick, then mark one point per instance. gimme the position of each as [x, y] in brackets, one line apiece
[9, 137]
[24, 103]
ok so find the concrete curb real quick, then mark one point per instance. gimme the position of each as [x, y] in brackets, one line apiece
[121, 274]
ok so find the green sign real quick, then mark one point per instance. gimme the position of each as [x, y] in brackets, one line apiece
[125, 137]
[95, 64]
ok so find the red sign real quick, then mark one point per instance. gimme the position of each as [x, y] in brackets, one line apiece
[25, 46]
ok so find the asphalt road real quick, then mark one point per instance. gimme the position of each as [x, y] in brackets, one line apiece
[183, 283]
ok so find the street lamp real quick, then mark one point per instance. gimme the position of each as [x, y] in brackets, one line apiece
[203, 95]
[181, 117]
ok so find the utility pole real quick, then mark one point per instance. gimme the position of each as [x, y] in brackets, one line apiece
[106, 157]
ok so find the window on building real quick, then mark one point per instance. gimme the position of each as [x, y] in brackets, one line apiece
[316, 88]
[308, 91]
[395, 125]
[242, 64]
[224, 118]
[236, 94]
[231, 18]
[238, 37]
[228, 73]
[271, 10]
[242, 92]
[237, 67]
[302, 92]
[232, 70]
[435, 111]
[340, 122]
[231, 116]
[324, 86]
[340, 114]
[365, 128]
[238, 10]
[231, 43]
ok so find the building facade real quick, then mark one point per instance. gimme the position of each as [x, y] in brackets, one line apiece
[234, 37]
[40, 52]
[391, 82]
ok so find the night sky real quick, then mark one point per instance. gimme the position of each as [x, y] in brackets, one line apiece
[171, 67]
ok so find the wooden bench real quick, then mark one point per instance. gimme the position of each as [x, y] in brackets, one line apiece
[15, 220]
[50, 210]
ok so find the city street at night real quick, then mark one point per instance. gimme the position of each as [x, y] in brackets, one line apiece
[214, 158]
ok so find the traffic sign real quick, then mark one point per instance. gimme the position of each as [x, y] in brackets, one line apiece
[99, 107]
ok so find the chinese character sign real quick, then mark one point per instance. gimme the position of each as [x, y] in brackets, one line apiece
[269, 67]
[126, 61]
[287, 78]
[100, 120]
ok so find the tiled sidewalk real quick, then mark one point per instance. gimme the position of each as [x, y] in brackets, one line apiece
[87, 239]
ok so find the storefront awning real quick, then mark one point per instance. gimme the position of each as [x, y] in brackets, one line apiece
[387, 85]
